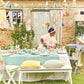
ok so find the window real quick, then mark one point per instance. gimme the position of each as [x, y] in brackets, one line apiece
[13, 17]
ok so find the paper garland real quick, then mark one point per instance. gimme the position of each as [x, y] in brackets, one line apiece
[6, 3]
[16, 5]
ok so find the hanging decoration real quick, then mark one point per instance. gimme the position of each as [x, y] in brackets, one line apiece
[2, 18]
[43, 26]
[63, 24]
[32, 8]
[25, 14]
[74, 3]
[28, 28]
[40, 5]
[31, 4]
[6, 3]
[64, 4]
[55, 5]
[46, 3]
[63, 13]
[51, 13]
[16, 5]
[10, 5]
[7, 24]
[41, 15]
[1, 3]
[47, 24]
[69, 23]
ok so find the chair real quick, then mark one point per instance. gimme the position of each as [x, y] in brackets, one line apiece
[10, 70]
[78, 50]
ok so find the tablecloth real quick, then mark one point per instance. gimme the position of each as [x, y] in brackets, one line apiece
[18, 59]
[47, 76]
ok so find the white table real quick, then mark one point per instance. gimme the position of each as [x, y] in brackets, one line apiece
[63, 73]
[65, 69]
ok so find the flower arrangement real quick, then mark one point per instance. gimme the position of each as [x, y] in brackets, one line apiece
[2, 44]
[47, 24]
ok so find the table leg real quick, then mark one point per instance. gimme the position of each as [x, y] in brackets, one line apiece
[83, 58]
[70, 77]
[19, 76]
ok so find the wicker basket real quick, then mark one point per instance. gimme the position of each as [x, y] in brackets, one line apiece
[1, 65]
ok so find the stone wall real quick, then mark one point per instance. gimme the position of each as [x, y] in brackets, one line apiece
[68, 31]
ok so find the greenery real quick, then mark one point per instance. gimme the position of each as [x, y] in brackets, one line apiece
[76, 79]
[72, 50]
[79, 29]
[21, 36]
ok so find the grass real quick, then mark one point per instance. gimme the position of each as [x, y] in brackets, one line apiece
[76, 79]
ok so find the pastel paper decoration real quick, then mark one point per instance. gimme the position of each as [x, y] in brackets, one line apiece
[43, 25]
[25, 14]
[7, 24]
[63, 13]
[6, 3]
[68, 22]
[40, 4]
[63, 24]
[2, 18]
[10, 5]
[31, 4]
[46, 3]
[41, 15]
[55, 5]
[16, 5]
[28, 28]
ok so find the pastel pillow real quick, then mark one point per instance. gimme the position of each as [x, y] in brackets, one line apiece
[30, 63]
[53, 64]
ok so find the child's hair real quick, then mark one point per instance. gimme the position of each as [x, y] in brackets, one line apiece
[50, 30]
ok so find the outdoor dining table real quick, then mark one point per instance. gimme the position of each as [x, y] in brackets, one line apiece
[17, 59]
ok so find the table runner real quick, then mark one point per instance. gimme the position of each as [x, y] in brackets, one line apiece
[18, 59]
